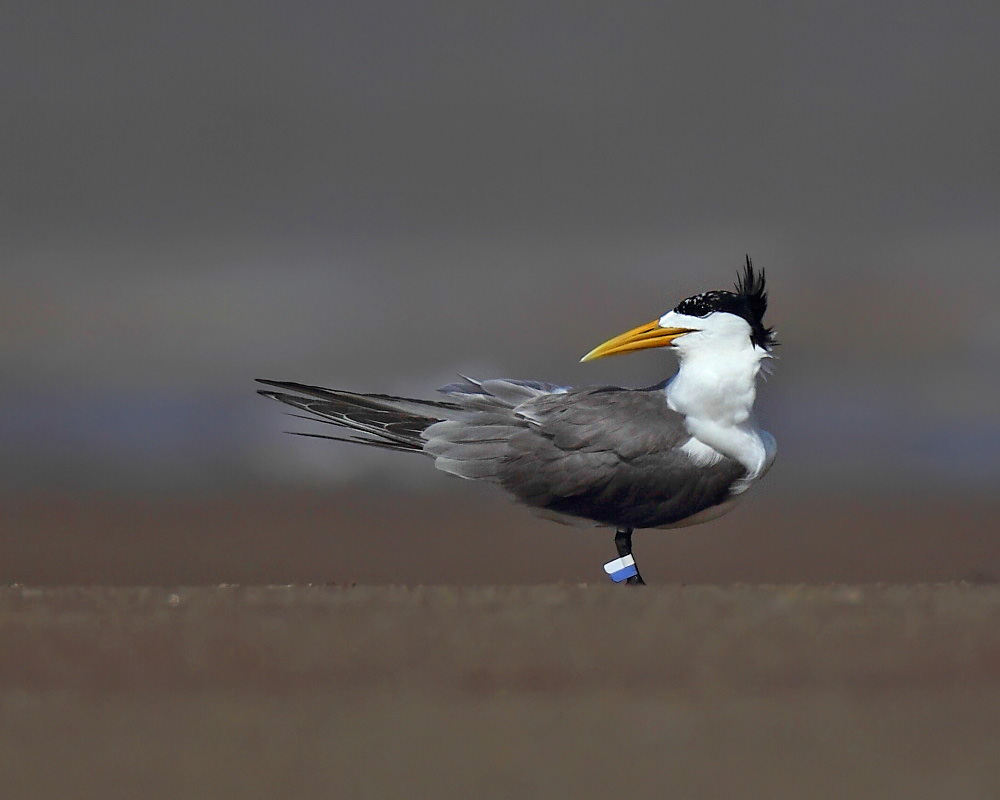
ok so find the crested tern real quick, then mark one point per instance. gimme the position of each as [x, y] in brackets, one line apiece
[674, 454]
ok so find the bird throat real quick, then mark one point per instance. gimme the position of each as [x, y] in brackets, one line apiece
[715, 394]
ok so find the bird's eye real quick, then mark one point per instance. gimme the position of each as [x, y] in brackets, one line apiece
[701, 305]
[697, 306]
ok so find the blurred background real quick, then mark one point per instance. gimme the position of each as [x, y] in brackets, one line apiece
[379, 195]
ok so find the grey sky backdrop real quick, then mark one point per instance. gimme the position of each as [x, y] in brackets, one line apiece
[376, 195]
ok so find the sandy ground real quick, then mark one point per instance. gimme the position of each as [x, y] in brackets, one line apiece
[465, 692]
[763, 661]
[474, 536]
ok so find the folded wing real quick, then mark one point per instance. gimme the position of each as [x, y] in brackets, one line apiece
[610, 455]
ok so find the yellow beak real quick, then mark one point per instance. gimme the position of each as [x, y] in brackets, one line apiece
[648, 335]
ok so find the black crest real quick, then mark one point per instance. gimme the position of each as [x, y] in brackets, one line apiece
[748, 301]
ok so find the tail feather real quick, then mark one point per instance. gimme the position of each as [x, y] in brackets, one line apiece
[399, 423]
[395, 423]
[367, 399]
[355, 440]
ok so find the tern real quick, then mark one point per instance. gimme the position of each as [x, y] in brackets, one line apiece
[670, 455]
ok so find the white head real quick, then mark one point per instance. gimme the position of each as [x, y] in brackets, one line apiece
[717, 334]
[716, 324]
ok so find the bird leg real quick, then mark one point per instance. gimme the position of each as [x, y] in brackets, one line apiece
[623, 543]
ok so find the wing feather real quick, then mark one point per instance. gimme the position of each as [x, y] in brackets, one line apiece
[614, 456]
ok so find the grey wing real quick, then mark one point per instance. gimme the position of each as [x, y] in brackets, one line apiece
[609, 455]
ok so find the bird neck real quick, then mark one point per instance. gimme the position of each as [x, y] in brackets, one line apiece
[715, 391]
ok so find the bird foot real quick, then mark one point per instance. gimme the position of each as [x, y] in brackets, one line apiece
[624, 565]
